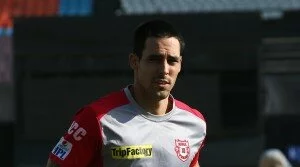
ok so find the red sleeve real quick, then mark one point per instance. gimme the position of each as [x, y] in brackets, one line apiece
[81, 143]
[197, 156]
[195, 160]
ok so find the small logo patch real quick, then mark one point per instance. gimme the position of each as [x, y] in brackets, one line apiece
[182, 149]
[62, 149]
[132, 152]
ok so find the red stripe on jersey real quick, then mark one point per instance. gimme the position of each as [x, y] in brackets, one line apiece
[109, 102]
[185, 107]
[195, 159]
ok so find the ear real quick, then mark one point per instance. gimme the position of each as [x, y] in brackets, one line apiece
[133, 60]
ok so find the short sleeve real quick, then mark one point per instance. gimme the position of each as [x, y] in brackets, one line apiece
[81, 143]
[197, 155]
[195, 159]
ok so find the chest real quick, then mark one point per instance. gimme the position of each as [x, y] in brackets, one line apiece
[140, 141]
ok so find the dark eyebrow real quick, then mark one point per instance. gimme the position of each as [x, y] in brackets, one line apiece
[169, 56]
[175, 57]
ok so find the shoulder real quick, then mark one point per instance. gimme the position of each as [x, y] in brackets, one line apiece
[103, 105]
[187, 108]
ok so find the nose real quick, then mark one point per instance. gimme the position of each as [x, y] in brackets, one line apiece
[164, 68]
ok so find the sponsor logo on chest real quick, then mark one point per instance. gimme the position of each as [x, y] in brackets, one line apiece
[132, 152]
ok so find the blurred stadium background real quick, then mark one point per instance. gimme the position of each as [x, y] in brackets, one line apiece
[241, 69]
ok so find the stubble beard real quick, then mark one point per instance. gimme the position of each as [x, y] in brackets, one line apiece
[160, 94]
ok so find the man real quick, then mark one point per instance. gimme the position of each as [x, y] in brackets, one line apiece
[141, 125]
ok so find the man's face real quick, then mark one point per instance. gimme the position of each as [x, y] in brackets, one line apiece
[156, 72]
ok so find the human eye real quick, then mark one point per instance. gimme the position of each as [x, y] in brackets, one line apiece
[154, 59]
[173, 60]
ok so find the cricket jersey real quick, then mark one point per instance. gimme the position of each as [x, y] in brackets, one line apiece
[114, 131]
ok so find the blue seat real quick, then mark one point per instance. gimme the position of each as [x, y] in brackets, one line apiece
[63, 7]
[85, 7]
[9, 31]
[1, 32]
[75, 7]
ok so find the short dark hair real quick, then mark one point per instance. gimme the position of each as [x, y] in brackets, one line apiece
[154, 28]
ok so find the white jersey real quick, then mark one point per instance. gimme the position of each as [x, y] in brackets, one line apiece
[116, 131]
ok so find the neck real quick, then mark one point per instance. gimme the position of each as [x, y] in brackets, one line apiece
[150, 104]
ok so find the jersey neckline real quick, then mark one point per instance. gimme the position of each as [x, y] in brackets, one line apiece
[145, 114]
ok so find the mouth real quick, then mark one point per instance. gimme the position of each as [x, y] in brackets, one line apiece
[162, 82]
